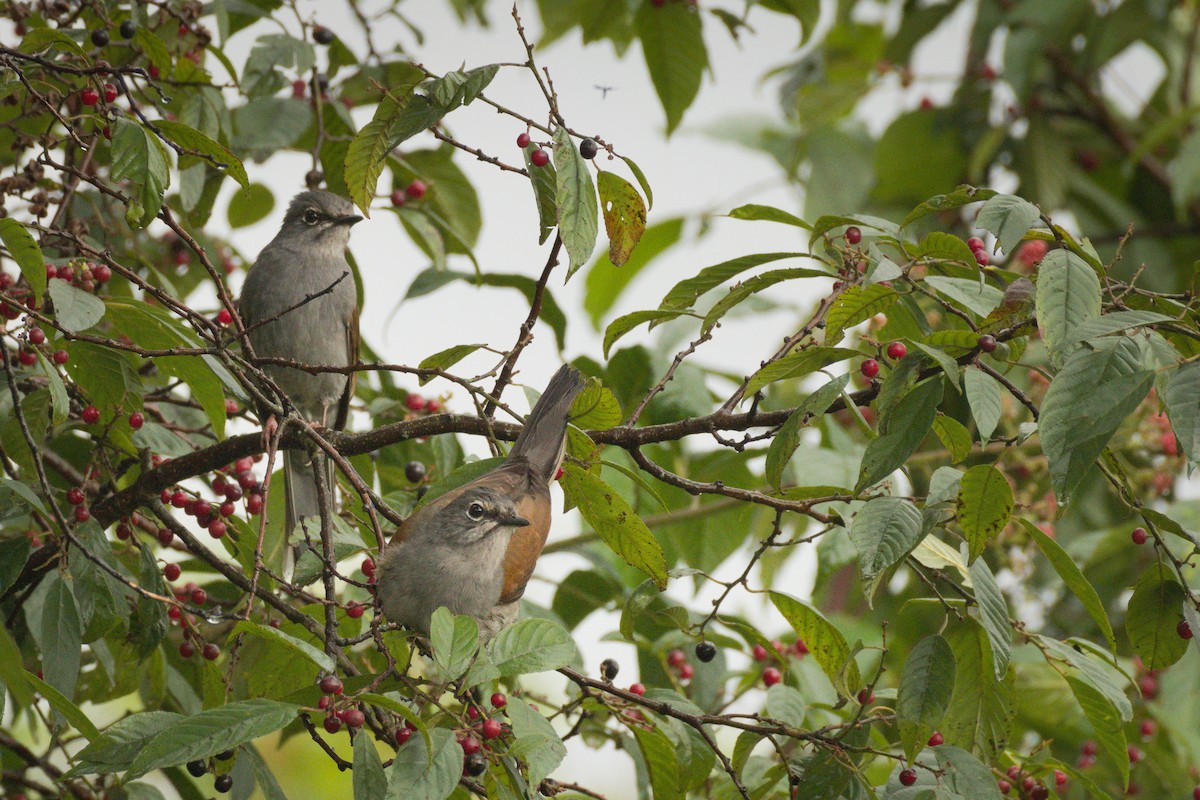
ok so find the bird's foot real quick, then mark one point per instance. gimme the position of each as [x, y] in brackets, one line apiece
[270, 427]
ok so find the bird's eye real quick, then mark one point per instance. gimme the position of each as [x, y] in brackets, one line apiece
[311, 216]
[475, 511]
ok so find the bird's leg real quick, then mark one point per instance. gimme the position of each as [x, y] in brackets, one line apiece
[268, 432]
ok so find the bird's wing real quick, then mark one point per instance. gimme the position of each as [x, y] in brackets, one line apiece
[352, 334]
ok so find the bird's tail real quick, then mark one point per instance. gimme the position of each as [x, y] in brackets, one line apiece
[301, 501]
[543, 438]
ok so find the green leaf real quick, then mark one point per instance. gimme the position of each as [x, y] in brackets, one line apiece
[994, 611]
[965, 775]
[787, 439]
[393, 123]
[1092, 395]
[797, 364]
[595, 407]
[962, 196]
[945, 247]
[1154, 612]
[905, 428]
[531, 645]
[116, 748]
[949, 366]
[954, 436]
[426, 773]
[12, 672]
[825, 642]
[624, 324]
[444, 359]
[605, 282]
[740, 291]
[400, 709]
[61, 636]
[370, 781]
[1068, 294]
[65, 707]
[139, 157]
[1183, 408]
[575, 202]
[786, 705]
[1116, 322]
[149, 622]
[541, 748]
[971, 294]
[544, 181]
[1073, 578]
[685, 293]
[455, 638]
[673, 46]
[856, 304]
[298, 646]
[1093, 666]
[985, 504]
[212, 731]
[26, 252]
[250, 205]
[191, 139]
[616, 523]
[754, 211]
[75, 309]
[641, 179]
[1106, 725]
[662, 762]
[983, 395]
[624, 216]
[924, 694]
[884, 531]
[980, 714]
[1009, 218]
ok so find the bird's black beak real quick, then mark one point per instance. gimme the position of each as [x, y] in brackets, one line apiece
[348, 220]
[515, 522]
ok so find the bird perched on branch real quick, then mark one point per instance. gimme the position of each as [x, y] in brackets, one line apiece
[301, 295]
[473, 549]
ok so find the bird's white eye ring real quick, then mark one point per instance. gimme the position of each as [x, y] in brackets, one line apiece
[311, 216]
[475, 511]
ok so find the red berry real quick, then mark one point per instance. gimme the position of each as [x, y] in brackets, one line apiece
[926, 103]
[172, 571]
[331, 684]
[332, 724]
[908, 777]
[676, 658]
[254, 504]
[981, 257]
[136, 420]
[522, 140]
[1147, 728]
[27, 358]
[416, 189]
[760, 653]
[415, 402]
[1039, 792]
[399, 198]
[491, 728]
[987, 72]
[224, 317]
[227, 508]
[469, 744]
[60, 357]
[937, 739]
[800, 648]
[1004, 786]
[211, 652]
[539, 158]
[853, 235]
[869, 368]
[180, 499]
[82, 514]
[987, 343]
[865, 697]
[110, 92]
[433, 406]
[975, 243]
[91, 415]
[1138, 535]
[1170, 446]
[152, 71]
[75, 496]
[232, 407]
[403, 735]
[354, 718]
[186, 649]
[368, 567]
[771, 676]
[1196, 793]
[1060, 778]
[36, 336]
[686, 672]
[499, 700]
[299, 87]
[199, 597]
[1148, 684]
[324, 702]
[124, 532]
[638, 688]
[89, 96]
[354, 610]
[897, 350]
[1135, 755]
[217, 529]
[102, 273]
[1184, 629]
[165, 537]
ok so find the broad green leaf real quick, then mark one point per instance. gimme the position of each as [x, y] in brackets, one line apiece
[685, 293]
[191, 139]
[541, 748]
[662, 762]
[954, 436]
[212, 731]
[1183, 408]
[322, 660]
[69, 710]
[787, 438]
[1068, 294]
[139, 157]
[1073, 578]
[14, 553]
[980, 714]
[624, 216]
[370, 781]
[884, 531]
[575, 202]
[1092, 665]
[119, 744]
[673, 46]
[985, 504]
[624, 324]
[60, 401]
[250, 205]
[949, 366]
[945, 246]
[1106, 725]
[786, 705]
[856, 304]
[75, 309]
[616, 523]
[972, 295]
[906, 426]
[797, 364]
[965, 775]
[426, 772]
[595, 407]
[1008, 217]
[1154, 612]
[531, 645]
[825, 642]
[444, 359]
[983, 395]
[753, 211]
[961, 196]
[1092, 395]
[994, 613]
[1116, 322]
[12, 672]
[394, 121]
[455, 638]
[926, 686]
[25, 251]
[43, 37]
[740, 291]
[61, 636]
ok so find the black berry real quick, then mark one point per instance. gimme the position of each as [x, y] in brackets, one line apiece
[706, 651]
[100, 37]
[422, 491]
[223, 783]
[414, 471]
[609, 669]
[987, 343]
[475, 765]
[196, 768]
[128, 29]
[224, 755]
[588, 148]
[322, 35]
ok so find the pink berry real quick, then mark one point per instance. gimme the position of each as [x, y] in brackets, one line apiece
[1060, 778]
[354, 718]
[975, 243]
[981, 257]
[523, 140]
[1138, 535]
[469, 744]
[686, 672]
[760, 653]
[227, 508]
[853, 235]
[539, 158]
[416, 189]
[1135, 755]
[638, 688]
[110, 92]
[771, 676]
[1147, 728]
[414, 402]
[1004, 786]
[897, 350]
[36, 336]
[254, 504]
[676, 658]
[869, 368]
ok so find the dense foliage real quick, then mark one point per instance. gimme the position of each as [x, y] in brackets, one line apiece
[977, 431]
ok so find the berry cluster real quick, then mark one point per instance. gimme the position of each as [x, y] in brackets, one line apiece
[771, 675]
[415, 190]
[979, 249]
[422, 405]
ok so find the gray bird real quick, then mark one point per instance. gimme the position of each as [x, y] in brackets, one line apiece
[305, 258]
